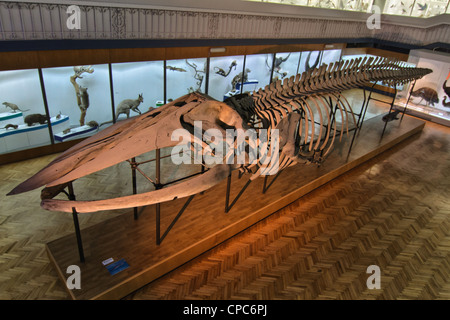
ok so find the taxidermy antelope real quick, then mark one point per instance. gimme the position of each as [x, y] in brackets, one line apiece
[293, 106]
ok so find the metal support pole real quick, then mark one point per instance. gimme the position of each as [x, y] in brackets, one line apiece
[158, 205]
[273, 67]
[266, 178]
[47, 111]
[366, 106]
[177, 217]
[111, 89]
[133, 175]
[76, 224]
[407, 101]
[227, 196]
[243, 75]
[390, 109]
[78, 234]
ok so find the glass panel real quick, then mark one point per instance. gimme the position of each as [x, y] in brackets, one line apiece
[309, 60]
[396, 7]
[223, 73]
[329, 56]
[87, 110]
[286, 65]
[430, 95]
[415, 8]
[137, 78]
[22, 112]
[185, 76]
[258, 69]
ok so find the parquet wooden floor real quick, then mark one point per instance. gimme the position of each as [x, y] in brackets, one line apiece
[392, 211]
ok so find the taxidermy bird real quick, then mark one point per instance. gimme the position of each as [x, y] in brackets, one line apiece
[423, 7]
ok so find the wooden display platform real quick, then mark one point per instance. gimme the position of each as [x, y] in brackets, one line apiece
[205, 224]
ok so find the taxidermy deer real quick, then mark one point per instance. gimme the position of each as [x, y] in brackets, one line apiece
[301, 108]
[129, 104]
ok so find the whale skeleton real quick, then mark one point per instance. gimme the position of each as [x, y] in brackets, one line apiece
[308, 109]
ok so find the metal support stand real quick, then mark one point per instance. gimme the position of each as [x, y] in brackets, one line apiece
[133, 175]
[409, 98]
[228, 206]
[159, 239]
[158, 185]
[71, 196]
[266, 178]
[361, 115]
[158, 205]
[390, 109]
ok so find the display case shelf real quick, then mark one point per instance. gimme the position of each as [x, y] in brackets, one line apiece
[25, 136]
[6, 118]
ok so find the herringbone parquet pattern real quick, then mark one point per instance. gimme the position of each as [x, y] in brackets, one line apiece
[392, 211]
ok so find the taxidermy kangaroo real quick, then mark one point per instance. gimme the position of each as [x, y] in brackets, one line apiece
[13, 107]
[128, 104]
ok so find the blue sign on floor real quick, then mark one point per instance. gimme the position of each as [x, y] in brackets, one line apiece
[117, 266]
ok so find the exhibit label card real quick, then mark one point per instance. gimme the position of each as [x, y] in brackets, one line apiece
[117, 266]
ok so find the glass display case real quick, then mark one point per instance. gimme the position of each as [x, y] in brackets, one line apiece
[413, 8]
[185, 76]
[23, 120]
[429, 96]
[133, 79]
[309, 60]
[224, 73]
[286, 65]
[258, 68]
[79, 101]
[427, 9]
[80, 94]
[331, 56]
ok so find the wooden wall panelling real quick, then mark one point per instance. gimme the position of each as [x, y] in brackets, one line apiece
[353, 51]
[136, 54]
[17, 60]
[388, 54]
[173, 53]
[58, 58]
